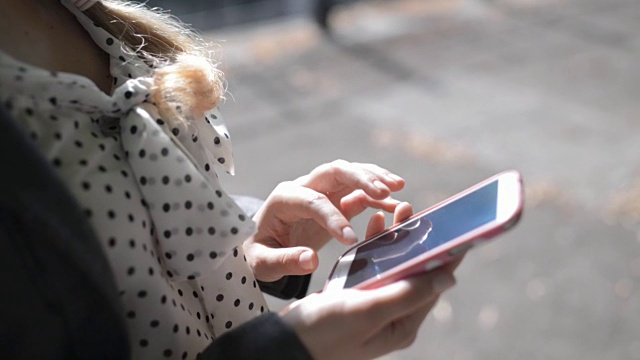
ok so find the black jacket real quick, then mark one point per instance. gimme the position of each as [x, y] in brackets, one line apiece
[59, 298]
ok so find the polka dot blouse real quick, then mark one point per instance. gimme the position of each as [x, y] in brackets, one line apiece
[170, 232]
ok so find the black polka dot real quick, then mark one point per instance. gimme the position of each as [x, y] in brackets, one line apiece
[165, 180]
[128, 94]
[210, 205]
[131, 314]
[167, 234]
[166, 207]
[190, 257]
[131, 270]
[236, 303]
[221, 160]
[168, 256]
[111, 214]
[142, 294]
[144, 342]
[235, 252]
[251, 306]
[228, 276]
[108, 188]
[154, 323]
[142, 153]
[175, 131]
[86, 185]
[241, 217]
[195, 294]
[159, 121]
[228, 325]
[219, 193]
[164, 151]
[207, 167]
[213, 255]
[211, 230]
[216, 140]
[111, 242]
[176, 328]
[189, 231]
[194, 138]
[187, 178]
[167, 353]
[234, 230]
[109, 41]
[57, 162]
[220, 297]
[134, 129]
[188, 204]
[243, 280]
[143, 180]
[53, 101]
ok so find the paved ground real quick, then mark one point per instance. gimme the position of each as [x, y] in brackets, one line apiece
[446, 93]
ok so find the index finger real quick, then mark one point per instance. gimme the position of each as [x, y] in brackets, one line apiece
[402, 297]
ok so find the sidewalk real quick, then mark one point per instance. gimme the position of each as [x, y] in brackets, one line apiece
[446, 93]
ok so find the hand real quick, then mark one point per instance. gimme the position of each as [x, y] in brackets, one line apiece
[364, 324]
[300, 216]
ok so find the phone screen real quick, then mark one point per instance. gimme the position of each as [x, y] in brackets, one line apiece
[424, 233]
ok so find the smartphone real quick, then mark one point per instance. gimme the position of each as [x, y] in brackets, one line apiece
[433, 237]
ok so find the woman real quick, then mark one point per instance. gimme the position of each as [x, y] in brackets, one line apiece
[122, 102]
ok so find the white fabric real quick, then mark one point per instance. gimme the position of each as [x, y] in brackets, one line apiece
[169, 230]
[83, 5]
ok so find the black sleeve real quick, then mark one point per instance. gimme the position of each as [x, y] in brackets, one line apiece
[288, 287]
[265, 337]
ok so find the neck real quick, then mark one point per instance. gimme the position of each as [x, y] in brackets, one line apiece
[44, 33]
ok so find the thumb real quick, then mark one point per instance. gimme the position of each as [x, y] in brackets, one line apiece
[274, 263]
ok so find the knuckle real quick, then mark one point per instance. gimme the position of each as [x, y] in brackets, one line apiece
[339, 163]
[314, 199]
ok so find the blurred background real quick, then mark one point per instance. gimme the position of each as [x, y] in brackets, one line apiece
[446, 93]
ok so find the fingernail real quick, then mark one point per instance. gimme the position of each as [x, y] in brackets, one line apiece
[380, 185]
[442, 283]
[306, 260]
[395, 177]
[349, 235]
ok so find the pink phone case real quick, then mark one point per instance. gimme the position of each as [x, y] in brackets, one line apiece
[446, 252]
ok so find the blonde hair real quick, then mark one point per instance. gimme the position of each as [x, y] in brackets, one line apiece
[187, 81]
